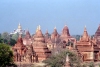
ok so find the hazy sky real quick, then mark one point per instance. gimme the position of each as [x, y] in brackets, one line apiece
[50, 13]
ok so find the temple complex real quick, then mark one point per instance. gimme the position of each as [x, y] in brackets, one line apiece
[40, 46]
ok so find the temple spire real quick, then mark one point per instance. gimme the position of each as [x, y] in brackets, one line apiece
[85, 34]
[19, 26]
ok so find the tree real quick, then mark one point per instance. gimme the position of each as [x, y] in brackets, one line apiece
[12, 42]
[6, 55]
[15, 36]
[5, 35]
[58, 60]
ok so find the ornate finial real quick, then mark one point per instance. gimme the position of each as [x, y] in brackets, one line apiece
[19, 26]
[39, 27]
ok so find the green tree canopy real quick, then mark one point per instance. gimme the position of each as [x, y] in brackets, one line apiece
[5, 35]
[58, 60]
[6, 55]
[15, 36]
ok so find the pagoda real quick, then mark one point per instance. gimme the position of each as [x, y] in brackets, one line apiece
[65, 36]
[19, 49]
[40, 46]
[86, 47]
[18, 30]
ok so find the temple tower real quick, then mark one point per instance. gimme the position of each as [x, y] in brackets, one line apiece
[40, 46]
[86, 47]
[19, 49]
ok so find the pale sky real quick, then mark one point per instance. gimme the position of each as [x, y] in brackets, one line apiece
[50, 13]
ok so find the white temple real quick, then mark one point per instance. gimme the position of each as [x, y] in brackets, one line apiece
[18, 30]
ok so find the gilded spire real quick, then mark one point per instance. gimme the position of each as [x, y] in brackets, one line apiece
[19, 26]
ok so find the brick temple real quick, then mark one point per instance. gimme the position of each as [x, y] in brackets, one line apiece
[40, 46]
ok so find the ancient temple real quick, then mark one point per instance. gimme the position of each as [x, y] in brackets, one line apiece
[40, 46]
[23, 53]
[65, 36]
[86, 47]
[19, 49]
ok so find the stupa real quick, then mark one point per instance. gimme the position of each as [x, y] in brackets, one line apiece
[19, 49]
[86, 47]
[40, 46]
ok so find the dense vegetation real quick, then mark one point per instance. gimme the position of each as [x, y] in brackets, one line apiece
[58, 60]
[8, 39]
[6, 55]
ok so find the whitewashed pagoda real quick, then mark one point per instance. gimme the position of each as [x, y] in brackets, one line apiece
[18, 30]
